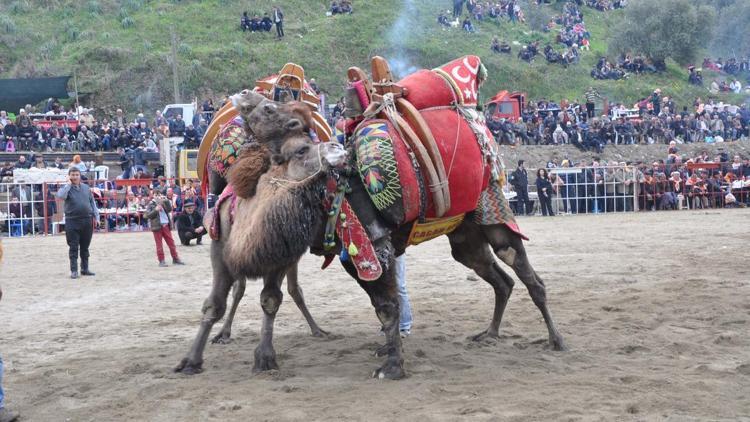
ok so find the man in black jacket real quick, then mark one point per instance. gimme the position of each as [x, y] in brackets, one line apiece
[190, 224]
[81, 216]
[520, 181]
[278, 19]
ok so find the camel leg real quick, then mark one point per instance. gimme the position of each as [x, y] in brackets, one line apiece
[295, 291]
[238, 291]
[508, 246]
[213, 310]
[384, 298]
[470, 248]
[270, 300]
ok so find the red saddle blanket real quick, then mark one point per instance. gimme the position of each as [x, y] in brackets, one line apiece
[391, 179]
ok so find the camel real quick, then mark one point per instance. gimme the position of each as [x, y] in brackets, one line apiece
[285, 216]
[275, 223]
[266, 122]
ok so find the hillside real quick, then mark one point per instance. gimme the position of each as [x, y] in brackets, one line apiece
[121, 50]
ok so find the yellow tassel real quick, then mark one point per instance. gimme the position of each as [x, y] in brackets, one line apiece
[353, 251]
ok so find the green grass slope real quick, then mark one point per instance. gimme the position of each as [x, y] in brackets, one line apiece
[121, 50]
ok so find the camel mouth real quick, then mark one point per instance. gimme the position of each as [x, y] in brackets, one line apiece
[333, 153]
[235, 99]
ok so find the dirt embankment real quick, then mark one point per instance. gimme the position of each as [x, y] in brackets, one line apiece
[537, 156]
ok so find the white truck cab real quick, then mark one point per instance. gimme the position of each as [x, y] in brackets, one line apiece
[187, 111]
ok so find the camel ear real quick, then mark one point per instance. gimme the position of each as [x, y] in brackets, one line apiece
[247, 100]
[293, 125]
[277, 159]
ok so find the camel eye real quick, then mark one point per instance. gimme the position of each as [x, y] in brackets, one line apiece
[303, 151]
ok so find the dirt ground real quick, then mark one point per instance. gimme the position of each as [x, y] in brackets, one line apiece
[654, 308]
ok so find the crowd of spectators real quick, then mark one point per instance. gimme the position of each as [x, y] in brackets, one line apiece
[653, 119]
[121, 204]
[625, 65]
[341, 7]
[677, 182]
[71, 131]
[496, 11]
[256, 23]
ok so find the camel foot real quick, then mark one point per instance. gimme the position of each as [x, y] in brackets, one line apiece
[319, 333]
[485, 335]
[264, 361]
[393, 369]
[557, 344]
[222, 338]
[189, 368]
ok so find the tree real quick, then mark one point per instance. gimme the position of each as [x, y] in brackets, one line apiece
[732, 38]
[675, 29]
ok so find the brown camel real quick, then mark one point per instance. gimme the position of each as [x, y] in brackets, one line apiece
[266, 122]
[286, 215]
[272, 230]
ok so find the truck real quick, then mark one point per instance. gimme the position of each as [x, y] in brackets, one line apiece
[506, 105]
[187, 111]
[178, 163]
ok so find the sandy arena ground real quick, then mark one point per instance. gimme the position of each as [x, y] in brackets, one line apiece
[654, 307]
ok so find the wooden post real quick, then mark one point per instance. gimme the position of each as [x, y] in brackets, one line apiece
[175, 76]
[75, 86]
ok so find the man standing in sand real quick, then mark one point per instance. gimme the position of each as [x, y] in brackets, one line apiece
[157, 212]
[81, 216]
[6, 415]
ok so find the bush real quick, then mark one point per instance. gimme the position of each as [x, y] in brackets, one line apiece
[665, 29]
[185, 49]
[19, 7]
[7, 24]
[537, 17]
[127, 22]
[95, 8]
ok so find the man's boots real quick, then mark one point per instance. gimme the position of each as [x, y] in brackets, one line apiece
[73, 268]
[85, 267]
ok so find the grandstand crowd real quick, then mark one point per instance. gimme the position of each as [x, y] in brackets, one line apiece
[653, 119]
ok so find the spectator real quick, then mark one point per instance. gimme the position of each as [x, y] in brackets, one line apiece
[467, 25]
[157, 213]
[519, 179]
[22, 163]
[591, 95]
[266, 24]
[245, 22]
[177, 126]
[544, 192]
[80, 209]
[190, 225]
[191, 139]
[278, 19]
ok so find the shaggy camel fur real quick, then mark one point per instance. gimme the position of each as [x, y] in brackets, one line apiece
[272, 230]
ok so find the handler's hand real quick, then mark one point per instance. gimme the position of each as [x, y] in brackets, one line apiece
[96, 223]
[1, 293]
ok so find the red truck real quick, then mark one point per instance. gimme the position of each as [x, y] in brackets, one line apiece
[506, 105]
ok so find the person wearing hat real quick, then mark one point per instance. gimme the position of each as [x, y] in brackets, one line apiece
[519, 179]
[190, 224]
[81, 216]
[157, 213]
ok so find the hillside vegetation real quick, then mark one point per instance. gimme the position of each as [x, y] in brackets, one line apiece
[121, 50]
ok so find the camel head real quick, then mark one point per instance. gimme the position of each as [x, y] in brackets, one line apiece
[299, 158]
[274, 227]
[268, 121]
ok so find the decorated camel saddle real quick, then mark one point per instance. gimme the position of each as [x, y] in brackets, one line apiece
[228, 131]
[423, 151]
